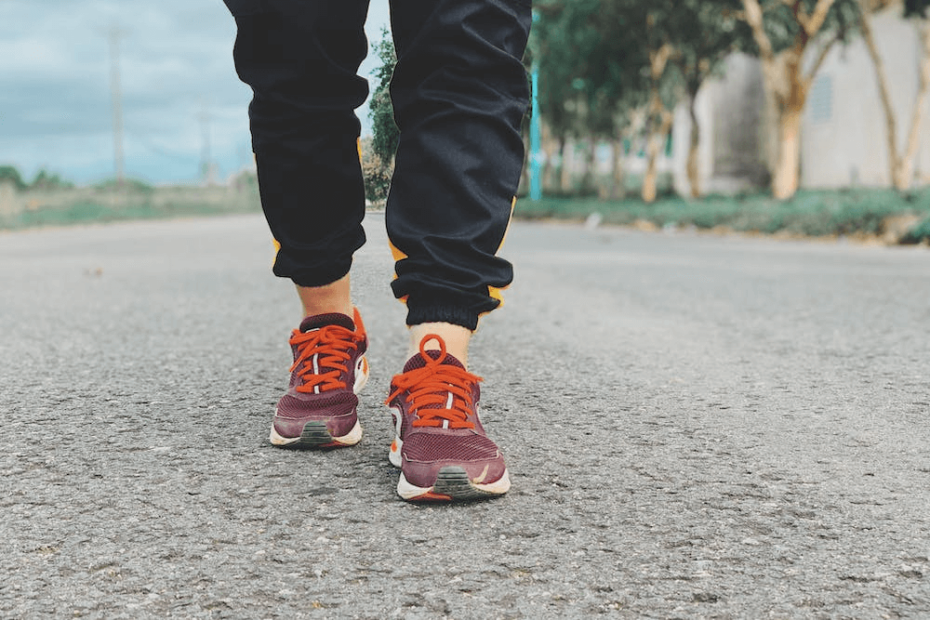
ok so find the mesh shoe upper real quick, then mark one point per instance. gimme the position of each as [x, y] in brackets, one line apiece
[326, 350]
[437, 401]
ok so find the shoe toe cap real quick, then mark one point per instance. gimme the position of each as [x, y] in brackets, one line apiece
[424, 455]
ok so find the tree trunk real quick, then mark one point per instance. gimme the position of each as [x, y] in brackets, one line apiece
[901, 164]
[881, 75]
[906, 166]
[660, 120]
[549, 150]
[565, 172]
[525, 173]
[693, 167]
[787, 84]
[588, 185]
[656, 141]
[788, 165]
[617, 189]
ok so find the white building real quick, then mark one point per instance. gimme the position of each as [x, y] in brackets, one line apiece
[843, 140]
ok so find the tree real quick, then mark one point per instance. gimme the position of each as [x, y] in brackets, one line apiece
[595, 78]
[612, 68]
[45, 180]
[571, 63]
[11, 175]
[784, 31]
[378, 169]
[670, 48]
[712, 31]
[641, 39]
[901, 163]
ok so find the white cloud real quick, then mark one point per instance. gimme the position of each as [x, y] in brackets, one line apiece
[176, 63]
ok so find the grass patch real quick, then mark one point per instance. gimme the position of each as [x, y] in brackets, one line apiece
[809, 212]
[919, 233]
[97, 205]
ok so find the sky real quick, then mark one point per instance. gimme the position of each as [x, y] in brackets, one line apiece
[176, 68]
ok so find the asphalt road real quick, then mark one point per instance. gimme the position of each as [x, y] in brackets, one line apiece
[696, 426]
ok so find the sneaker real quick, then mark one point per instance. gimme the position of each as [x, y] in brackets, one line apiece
[439, 444]
[319, 409]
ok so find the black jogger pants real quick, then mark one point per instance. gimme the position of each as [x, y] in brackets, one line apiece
[459, 92]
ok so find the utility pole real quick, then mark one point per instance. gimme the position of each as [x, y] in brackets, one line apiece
[115, 34]
[536, 154]
[207, 171]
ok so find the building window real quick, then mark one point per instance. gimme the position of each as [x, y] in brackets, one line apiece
[820, 100]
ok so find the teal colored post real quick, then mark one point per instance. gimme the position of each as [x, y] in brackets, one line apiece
[536, 154]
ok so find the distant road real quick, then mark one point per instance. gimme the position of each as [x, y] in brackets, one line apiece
[697, 426]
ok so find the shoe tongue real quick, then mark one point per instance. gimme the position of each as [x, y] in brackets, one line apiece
[418, 361]
[322, 320]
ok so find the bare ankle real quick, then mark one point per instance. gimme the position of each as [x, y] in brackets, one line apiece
[326, 299]
[455, 337]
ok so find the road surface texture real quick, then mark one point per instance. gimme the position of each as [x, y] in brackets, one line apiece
[696, 426]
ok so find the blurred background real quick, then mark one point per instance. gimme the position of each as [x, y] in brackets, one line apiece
[168, 66]
[807, 116]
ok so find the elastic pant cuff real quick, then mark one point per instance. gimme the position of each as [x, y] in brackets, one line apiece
[315, 277]
[438, 313]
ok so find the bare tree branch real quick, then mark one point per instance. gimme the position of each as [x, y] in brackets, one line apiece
[865, 25]
[818, 17]
[821, 57]
[801, 16]
[658, 60]
[918, 116]
[754, 19]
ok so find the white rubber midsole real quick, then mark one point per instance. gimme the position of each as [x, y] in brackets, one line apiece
[394, 455]
[361, 374]
[349, 439]
[352, 437]
[410, 491]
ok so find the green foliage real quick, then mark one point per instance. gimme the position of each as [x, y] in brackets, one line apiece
[133, 185]
[783, 27]
[378, 153]
[916, 8]
[11, 174]
[919, 233]
[595, 57]
[708, 32]
[809, 213]
[386, 133]
[574, 72]
[82, 206]
[46, 180]
[377, 174]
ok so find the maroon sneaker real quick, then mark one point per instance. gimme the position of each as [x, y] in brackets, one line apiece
[319, 408]
[440, 445]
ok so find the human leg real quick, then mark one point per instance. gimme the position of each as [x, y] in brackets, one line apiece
[327, 299]
[459, 94]
[300, 59]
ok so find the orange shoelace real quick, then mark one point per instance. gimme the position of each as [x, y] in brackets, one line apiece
[324, 353]
[437, 384]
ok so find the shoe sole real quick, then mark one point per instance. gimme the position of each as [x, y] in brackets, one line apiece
[452, 485]
[315, 435]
